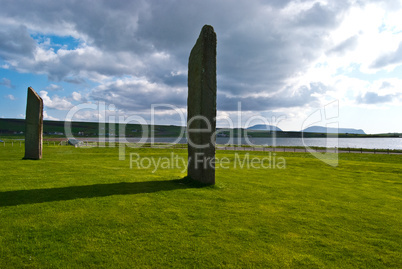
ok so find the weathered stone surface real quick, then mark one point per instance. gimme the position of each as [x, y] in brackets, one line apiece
[33, 126]
[201, 107]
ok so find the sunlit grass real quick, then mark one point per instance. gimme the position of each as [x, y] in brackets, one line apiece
[82, 207]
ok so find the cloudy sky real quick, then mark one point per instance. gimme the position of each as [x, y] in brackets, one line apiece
[281, 60]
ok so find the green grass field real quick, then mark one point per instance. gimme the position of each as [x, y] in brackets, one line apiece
[83, 208]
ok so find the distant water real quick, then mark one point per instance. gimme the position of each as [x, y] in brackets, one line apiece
[368, 143]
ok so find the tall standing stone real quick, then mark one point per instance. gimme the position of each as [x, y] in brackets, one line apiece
[33, 126]
[201, 107]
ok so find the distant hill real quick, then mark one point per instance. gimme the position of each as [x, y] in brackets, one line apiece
[16, 128]
[321, 129]
[88, 129]
[263, 127]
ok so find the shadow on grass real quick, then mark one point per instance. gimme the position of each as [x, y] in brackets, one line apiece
[34, 196]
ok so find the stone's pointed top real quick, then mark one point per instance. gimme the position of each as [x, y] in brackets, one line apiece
[207, 28]
[208, 31]
[32, 91]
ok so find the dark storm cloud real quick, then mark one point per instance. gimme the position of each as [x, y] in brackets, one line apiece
[260, 55]
[75, 80]
[16, 41]
[108, 24]
[172, 80]
[284, 99]
[259, 47]
[319, 16]
[139, 95]
[226, 103]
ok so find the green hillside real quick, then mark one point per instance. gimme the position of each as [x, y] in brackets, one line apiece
[16, 127]
[83, 208]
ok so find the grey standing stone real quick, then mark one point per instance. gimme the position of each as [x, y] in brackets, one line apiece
[33, 126]
[201, 107]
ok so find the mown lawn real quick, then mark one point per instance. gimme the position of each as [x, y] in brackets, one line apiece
[85, 208]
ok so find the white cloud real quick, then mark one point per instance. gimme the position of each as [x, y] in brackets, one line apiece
[48, 117]
[88, 115]
[368, 35]
[54, 87]
[76, 96]
[11, 97]
[6, 82]
[55, 102]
